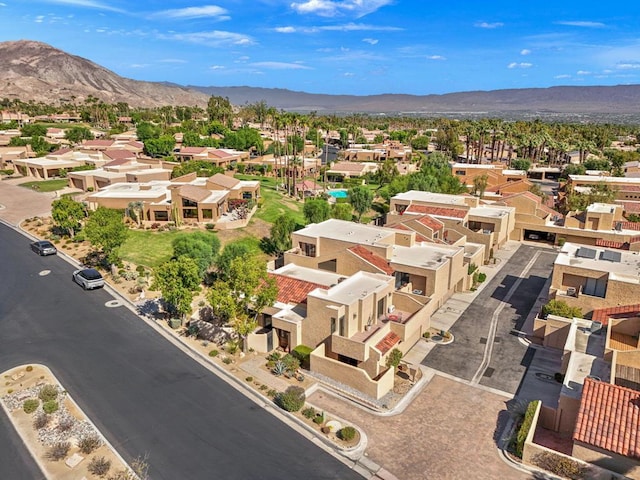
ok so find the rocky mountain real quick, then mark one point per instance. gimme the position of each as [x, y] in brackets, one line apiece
[39, 72]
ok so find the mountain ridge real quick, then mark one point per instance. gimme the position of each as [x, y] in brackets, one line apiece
[39, 72]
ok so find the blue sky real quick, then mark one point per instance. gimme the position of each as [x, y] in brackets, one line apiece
[344, 46]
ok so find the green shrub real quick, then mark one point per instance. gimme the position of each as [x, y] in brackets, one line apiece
[559, 465]
[279, 368]
[471, 268]
[227, 360]
[209, 226]
[48, 392]
[347, 433]
[232, 347]
[249, 379]
[524, 428]
[482, 277]
[99, 466]
[292, 399]
[30, 405]
[303, 354]
[50, 407]
[214, 353]
[426, 335]
[263, 387]
[393, 360]
[319, 418]
[29, 368]
[309, 412]
[272, 393]
[291, 363]
[562, 309]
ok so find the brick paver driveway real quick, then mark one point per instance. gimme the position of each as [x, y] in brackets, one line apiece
[446, 433]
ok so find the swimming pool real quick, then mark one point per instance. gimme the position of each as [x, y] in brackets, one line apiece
[338, 193]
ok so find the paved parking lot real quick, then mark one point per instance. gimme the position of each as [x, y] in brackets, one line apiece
[448, 432]
[487, 319]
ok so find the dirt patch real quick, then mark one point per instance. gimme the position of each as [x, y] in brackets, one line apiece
[22, 383]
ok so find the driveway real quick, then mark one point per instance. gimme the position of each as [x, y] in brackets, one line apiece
[449, 431]
[18, 203]
[146, 396]
[486, 350]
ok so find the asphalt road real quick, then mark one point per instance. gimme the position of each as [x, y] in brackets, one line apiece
[504, 369]
[146, 396]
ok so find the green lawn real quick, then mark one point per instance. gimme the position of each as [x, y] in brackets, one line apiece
[149, 248]
[274, 202]
[47, 185]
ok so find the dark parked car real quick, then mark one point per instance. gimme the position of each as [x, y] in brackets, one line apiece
[88, 278]
[44, 247]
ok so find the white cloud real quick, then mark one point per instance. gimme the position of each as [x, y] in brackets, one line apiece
[370, 41]
[215, 38]
[172, 60]
[435, 57]
[582, 24]
[87, 4]
[39, 19]
[217, 67]
[355, 27]
[285, 29]
[520, 65]
[583, 72]
[281, 66]
[348, 74]
[488, 25]
[628, 65]
[562, 76]
[525, 51]
[3, 4]
[139, 65]
[194, 12]
[242, 59]
[331, 8]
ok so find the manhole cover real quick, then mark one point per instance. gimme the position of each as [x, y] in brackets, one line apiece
[44, 273]
[488, 372]
[113, 303]
[483, 341]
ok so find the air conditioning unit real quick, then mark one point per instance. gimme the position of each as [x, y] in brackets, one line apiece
[391, 308]
[571, 291]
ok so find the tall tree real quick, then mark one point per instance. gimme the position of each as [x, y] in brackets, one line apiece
[244, 295]
[316, 210]
[106, 230]
[220, 109]
[67, 214]
[361, 199]
[177, 280]
[281, 230]
[202, 247]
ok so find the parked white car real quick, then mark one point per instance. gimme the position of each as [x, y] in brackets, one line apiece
[88, 278]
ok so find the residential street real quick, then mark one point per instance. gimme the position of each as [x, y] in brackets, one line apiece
[146, 396]
[485, 350]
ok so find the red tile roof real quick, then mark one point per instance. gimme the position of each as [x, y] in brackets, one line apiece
[60, 151]
[192, 150]
[387, 342]
[603, 315]
[97, 143]
[220, 154]
[631, 226]
[600, 242]
[224, 181]
[375, 260]
[609, 418]
[437, 211]
[294, 290]
[635, 239]
[629, 207]
[431, 223]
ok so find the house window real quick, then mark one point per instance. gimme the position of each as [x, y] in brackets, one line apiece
[348, 360]
[188, 203]
[333, 325]
[189, 213]
[461, 172]
[343, 326]
[308, 249]
[161, 216]
[207, 213]
[402, 279]
[381, 307]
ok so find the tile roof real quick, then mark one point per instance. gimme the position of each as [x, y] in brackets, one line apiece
[97, 143]
[609, 418]
[135, 143]
[375, 260]
[119, 154]
[192, 150]
[603, 315]
[224, 180]
[432, 223]
[348, 167]
[308, 185]
[631, 226]
[192, 192]
[387, 342]
[600, 242]
[220, 154]
[294, 290]
[60, 151]
[629, 207]
[437, 211]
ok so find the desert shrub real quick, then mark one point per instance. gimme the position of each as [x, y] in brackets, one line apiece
[30, 405]
[426, 335]
[214, 353]
[50, 407]
[524, 428]
[263, 387]
[58, 451]
[393, 360]
[227, 360]
[562, 309]
[66, 423]
[319, 418]
[41, 420]
[272, 393]
[303, 354]
[99, 466]
[209, 226]
[279, 368]
[292, 399]
[309, 412]
[482, 277]
[249, 379]
[291, 363]
[29, 368]
[89, 443]
[232, 347]
[559, 465]
[347, 433]
[48, 392]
